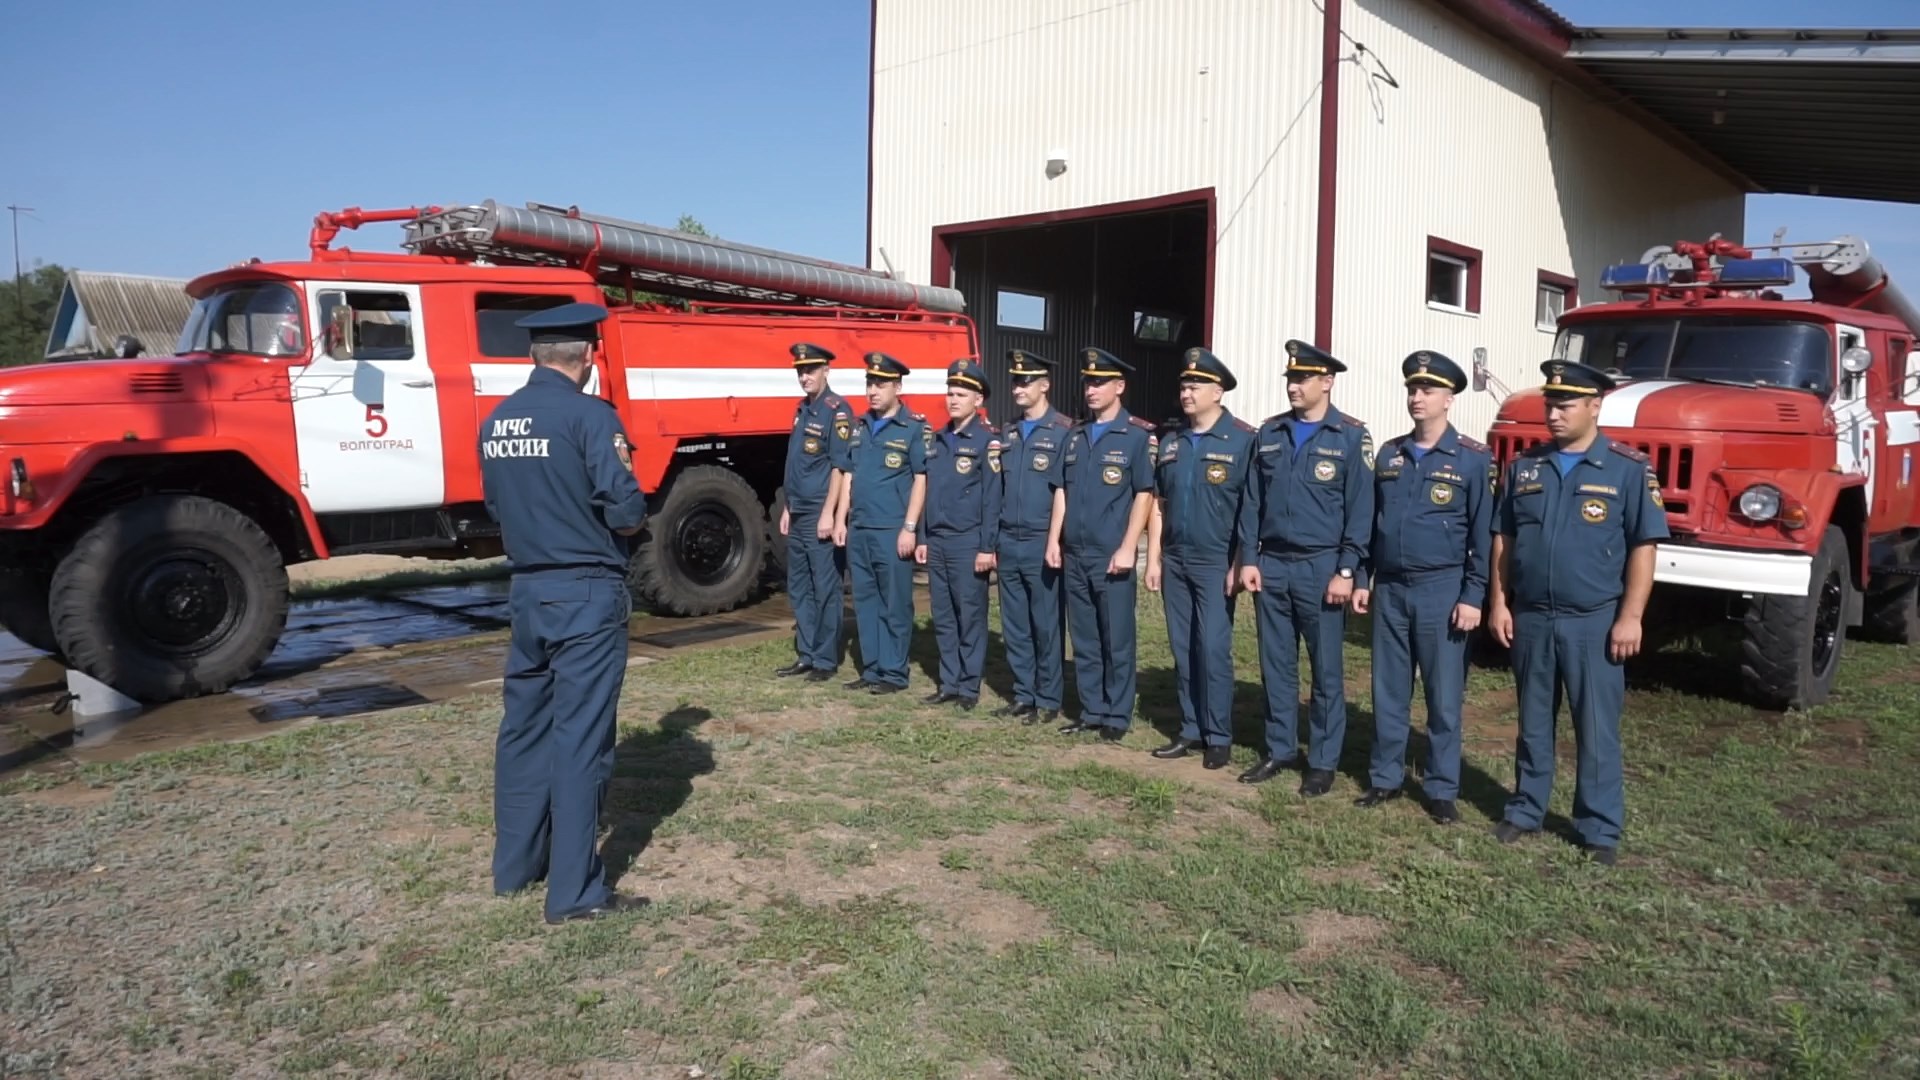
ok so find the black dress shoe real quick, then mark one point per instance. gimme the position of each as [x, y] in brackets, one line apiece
[1041, 716]
[1217, 757]
[819, 675]
[886, 688]
[1605, 856]
[1113, 734]
[1265, 771]
[1317, 782]
[1507, 832]
[795, 668]
[938, 697]
[1377, 795]
[860, 683]
[1443, 812]
[1018, 708]
[1077, 727]
[967, 704]
[1178, 748]
[613, 905]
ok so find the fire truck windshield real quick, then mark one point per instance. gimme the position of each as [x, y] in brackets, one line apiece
[1741, 351]
[258, 318]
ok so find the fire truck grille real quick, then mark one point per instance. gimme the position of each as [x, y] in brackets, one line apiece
[1672, 464]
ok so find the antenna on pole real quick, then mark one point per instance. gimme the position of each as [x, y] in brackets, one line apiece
[19, 294]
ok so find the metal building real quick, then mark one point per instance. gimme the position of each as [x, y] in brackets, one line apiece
[97, 310]
[1375, 176]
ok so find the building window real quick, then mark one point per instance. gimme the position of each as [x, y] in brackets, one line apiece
[1157, 327]
[1453, 276]
[1554, 296]
[1016, 310]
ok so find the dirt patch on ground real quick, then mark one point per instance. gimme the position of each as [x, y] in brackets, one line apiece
[1359, 874]
[772, 725]
[72, 795]
[1329, 932]
[1293, 1012]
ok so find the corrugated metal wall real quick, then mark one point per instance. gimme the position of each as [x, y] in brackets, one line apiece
[1480, 147]
[1145, 98]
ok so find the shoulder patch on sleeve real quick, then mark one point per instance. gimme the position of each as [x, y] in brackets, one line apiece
[1473, 444]
[1366, 446]
[1628, 452]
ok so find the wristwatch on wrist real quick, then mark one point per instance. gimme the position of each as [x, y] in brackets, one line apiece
[1346, 572]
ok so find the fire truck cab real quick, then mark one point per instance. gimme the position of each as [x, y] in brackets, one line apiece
[1783, 434]
[332, 406]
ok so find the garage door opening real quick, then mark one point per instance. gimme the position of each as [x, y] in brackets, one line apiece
[1134, 279]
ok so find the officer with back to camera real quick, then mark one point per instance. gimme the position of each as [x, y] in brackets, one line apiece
[1030, 589]
[1573, 556]
[1106, 490]
[1192, 551]
[1304, 527]
[879, 524]
[1425, 581]
[557, 473]
[819, 457]
[958, 534]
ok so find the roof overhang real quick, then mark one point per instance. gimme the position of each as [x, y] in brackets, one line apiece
[1799, 112]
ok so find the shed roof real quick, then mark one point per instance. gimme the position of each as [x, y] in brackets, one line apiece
[97, 307]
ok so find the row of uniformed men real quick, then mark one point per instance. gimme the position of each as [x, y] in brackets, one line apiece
[1294, 510]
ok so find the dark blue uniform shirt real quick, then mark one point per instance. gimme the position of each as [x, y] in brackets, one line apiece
[1101, 476]
[963, 485]
[1434, 511]
[1570, 535]
[821, 441]
[1203, 477]
[554, 467]
[886, 455]
[1312, 498]
[1032, 464]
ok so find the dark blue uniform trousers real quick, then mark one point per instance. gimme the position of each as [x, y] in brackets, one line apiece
[1100, 616]
[1030, 622]
[1413, 626]
[882, 603]
[959, 599]
[813, 588]
[554, 751]
[1552, 655]
[1200, 632]
[1291, 608]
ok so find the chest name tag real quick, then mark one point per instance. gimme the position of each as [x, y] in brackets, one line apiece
[1330, 451]
[1529, 489]
[1228, 458]
[896, 444]
[1599, 489]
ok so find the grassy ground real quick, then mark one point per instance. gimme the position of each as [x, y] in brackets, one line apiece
[860, 887]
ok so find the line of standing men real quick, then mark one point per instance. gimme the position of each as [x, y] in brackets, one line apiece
[1294, 511]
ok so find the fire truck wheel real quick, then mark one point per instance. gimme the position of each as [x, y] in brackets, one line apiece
[1893, 613]
[23, 608]
[776, 543]
[1791, 645]
[173, 596]
[702, 551]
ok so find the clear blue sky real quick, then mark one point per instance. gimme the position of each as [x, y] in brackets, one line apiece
[174, 139]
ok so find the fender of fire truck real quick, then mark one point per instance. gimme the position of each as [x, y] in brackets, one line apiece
[1810, 500]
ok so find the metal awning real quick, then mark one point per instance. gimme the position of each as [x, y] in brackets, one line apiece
[1830, 112]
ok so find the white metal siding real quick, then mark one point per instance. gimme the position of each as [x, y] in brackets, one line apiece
[1481, 147]
[1146, 98]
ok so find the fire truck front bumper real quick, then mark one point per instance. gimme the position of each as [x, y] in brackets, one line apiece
[1751, 573]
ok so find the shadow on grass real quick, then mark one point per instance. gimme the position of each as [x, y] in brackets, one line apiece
[653, 773]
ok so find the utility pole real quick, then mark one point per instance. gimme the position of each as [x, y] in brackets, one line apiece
[19, 294]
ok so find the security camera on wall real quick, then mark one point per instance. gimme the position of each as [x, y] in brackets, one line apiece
[1056, 163]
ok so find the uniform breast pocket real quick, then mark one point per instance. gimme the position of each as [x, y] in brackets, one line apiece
[1596, 509]
[1529, 505]
[1446, 498]
[966, 463]
[1328, 470]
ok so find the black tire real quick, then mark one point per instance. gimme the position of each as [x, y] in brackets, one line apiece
[23, 608]
[1791, 646]
[702, 550]
[776, 543]
[173, 596]
[1893, 612]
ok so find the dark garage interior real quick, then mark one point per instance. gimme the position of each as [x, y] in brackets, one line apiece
[1133, 283]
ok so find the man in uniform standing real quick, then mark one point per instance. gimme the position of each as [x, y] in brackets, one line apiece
[1304, 528]
[879, 524]
[1030, 592]
[817, 464]
[1105, 489]
[1427, 565]
[1192, 549]
[558, 477]
[1573, 554]
[958, 533]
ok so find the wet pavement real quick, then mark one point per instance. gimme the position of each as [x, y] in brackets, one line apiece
[339, 657]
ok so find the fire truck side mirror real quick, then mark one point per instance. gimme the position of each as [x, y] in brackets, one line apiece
[340, 323]
[1856, 360]
[1480, 369]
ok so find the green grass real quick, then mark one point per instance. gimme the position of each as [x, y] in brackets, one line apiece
[863, 887]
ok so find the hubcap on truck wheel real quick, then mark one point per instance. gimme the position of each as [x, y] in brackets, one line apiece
[1826, 622]
[181, 601]
[707, 544]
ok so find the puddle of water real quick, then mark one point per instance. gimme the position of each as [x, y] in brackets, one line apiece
[703, 633]
[338, 701]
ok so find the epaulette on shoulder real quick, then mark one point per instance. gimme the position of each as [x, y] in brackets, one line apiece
[1352, 421]
[918, 417]
[1545, 449]
[1142, 424]
[1473, 444]
[1628, 452]
[1243, 425]
[989, 426]
[1059, 420]
[835, 401]
[1275, 418]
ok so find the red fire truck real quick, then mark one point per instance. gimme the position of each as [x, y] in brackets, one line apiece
[331, 406]
[1783, 433]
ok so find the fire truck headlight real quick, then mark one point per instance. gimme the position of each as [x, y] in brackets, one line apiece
[17, 482]
[1761, 502]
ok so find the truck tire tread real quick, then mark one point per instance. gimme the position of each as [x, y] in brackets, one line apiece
[24, 609]
[1776, 665]
[653, 580]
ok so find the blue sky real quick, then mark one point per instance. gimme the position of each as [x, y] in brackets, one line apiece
[175, 139]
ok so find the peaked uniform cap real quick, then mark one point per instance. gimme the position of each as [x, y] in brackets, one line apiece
[1303, 357]
[1202, 364]
[806, 354]
[568, 322]
[1101, 364]
[882, 366]
[1429, 368]
[1569, 379]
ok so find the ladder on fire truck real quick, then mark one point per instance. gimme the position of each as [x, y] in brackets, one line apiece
[636, 256]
